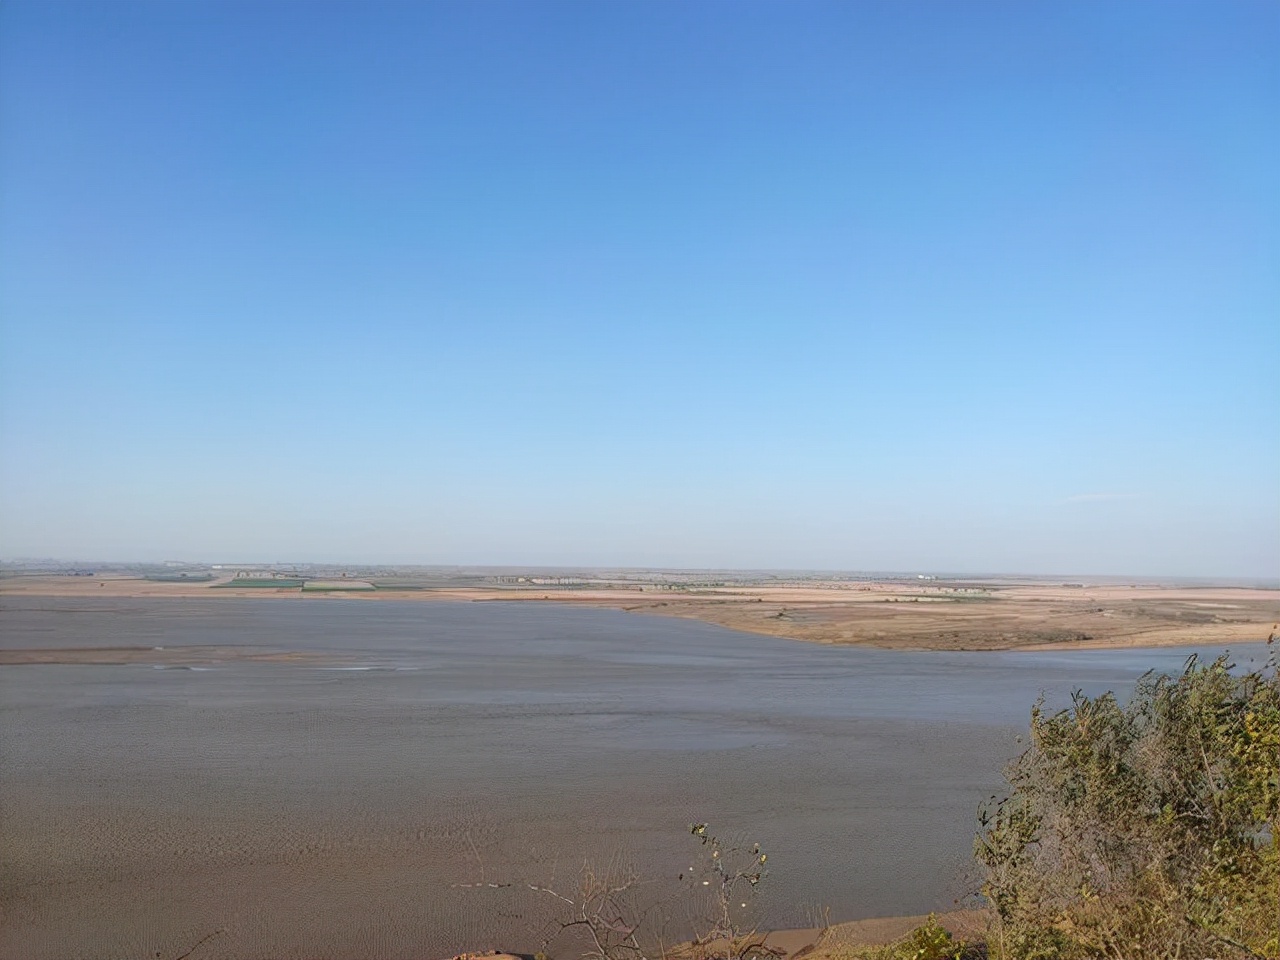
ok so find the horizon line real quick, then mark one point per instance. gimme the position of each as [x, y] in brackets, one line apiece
[911, 573]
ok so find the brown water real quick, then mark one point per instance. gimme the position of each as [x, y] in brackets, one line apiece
[335, 809]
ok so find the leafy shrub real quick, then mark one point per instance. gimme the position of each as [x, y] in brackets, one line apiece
[1150, 830]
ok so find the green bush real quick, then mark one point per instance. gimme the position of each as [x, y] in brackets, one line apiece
[1150, 830]
[930, 941]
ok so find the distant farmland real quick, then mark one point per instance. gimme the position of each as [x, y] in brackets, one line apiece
[262, 582]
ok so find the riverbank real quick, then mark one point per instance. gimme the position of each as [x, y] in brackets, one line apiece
[839, 941]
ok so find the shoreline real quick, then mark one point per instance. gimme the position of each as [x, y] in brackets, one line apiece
[892, 615]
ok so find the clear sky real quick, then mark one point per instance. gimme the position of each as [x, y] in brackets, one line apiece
[958, 286]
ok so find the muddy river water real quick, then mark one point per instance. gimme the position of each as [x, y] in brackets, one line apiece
[356, 801]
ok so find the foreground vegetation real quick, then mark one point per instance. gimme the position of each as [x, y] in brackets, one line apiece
[1149, 830]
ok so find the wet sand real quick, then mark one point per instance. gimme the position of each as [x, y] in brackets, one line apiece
[331, 778]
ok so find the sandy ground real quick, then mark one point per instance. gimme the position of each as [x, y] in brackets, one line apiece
[819, 943]
[816, 943]
[932, 615]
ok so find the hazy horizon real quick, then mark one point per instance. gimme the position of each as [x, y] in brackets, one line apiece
[920, 286]
[364, 566]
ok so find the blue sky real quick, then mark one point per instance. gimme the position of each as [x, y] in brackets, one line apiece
[868, 286]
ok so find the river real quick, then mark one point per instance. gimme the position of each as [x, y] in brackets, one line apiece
[357, 803]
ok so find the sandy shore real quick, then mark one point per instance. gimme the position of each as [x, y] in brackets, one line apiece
[822, 943]
[925, 615]
[816, 943]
